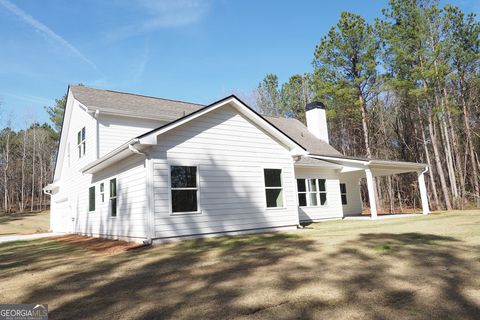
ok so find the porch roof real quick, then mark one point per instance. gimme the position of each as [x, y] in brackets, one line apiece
[378, 167]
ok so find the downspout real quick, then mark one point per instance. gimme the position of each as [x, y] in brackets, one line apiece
[132, 148]
[425, 170]
[94, 114]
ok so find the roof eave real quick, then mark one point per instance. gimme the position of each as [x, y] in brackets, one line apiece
[110, 158]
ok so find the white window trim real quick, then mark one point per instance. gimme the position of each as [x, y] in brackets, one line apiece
[100, 193]
[109, 214]
[284, 206]
[307, 193]
[94, 198]
[170, 197]
[82, 144]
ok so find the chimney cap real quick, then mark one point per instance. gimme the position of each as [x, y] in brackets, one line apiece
[315, 105]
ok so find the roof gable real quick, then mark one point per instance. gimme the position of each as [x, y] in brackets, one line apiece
[151, 136]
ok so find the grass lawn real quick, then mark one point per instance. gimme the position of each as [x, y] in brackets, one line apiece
[24, 223]
[410, 268]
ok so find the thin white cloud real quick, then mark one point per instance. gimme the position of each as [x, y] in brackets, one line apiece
[40, 27]
[164, 14]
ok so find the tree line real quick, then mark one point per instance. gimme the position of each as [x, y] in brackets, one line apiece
[405, 87]
[27, 160]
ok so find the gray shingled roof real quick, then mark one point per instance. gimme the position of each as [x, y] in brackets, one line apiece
[132, 104]
[163, 109]
[299, 132]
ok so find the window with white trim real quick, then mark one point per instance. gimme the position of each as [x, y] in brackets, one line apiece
[113, 198]
[302, 192]
[273, 188]
[343, 193]
[81, 142]
[184, 189]
[102, 192]
[91, 199]
[312, 192]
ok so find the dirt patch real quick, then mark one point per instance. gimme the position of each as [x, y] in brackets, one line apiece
[99, 245]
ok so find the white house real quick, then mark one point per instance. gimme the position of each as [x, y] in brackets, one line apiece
[148, 169]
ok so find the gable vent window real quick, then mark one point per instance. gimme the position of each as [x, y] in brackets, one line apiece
[184, 189]
[81, 142]
[273, 188]
[312, 192]
[343, 193]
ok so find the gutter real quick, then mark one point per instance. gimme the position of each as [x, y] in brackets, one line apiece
[111, 154]
[135, 150]
[424, 170]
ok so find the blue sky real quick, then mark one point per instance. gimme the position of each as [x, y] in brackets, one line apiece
[193, 50]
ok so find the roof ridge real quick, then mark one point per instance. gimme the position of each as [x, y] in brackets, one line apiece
[138, 95]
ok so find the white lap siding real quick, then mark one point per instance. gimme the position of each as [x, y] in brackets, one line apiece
[230, 153]
[132, 218]
[114, 131]
[354, 198]
[333, 208]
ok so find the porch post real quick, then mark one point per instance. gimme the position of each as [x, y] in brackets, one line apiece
[423, 192]
[371, 193]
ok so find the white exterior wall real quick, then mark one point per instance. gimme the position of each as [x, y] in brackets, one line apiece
[131, 220]
[69, 207]
[68, 204]
[230, 153]
[354, 198]
[113, 131]
[333, 208]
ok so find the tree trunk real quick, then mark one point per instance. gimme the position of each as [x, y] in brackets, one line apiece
[33, 171]
[471, 151]
[456, 148]
[448, 156]
[22, 187]
[429, 163]
[438, 162]
[5, 173]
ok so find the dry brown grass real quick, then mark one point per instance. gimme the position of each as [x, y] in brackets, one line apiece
[411, 268]
[24, 223]
[98, 245]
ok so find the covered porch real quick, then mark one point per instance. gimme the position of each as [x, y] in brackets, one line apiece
[354, 169]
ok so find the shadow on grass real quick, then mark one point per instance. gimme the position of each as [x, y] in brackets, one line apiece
[5, 218]
[413, 276]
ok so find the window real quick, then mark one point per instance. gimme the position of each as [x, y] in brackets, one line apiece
[81, 142]
[273, 187]
[302, 192]
[91, 199]
[184, 189]
[102, 192]
[311, 192]
[113, 197]
[343, 193]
